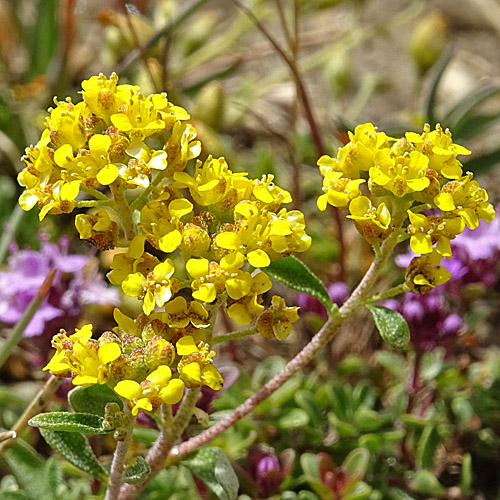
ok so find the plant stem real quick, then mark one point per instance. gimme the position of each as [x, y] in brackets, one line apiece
[123, 209]
[93, 203]
[94, 192]
[233, 335]
[17, 332]
[403, 287]
[9, 230]
[162, 446]
[119, 457]
[36, 406]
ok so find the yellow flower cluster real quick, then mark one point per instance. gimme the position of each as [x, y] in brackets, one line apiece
[196, 237]
[384, 182]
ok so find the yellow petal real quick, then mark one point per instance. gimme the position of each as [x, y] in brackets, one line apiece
[160, 376]
[128, 389]
[186, 345]
[258, 258]
[109, 352]
[212, 377]
[173, 392]
[170, 241]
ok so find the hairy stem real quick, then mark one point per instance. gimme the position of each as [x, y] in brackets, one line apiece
[233, 335]
[119, 456]
[396, 290]
[162, 446]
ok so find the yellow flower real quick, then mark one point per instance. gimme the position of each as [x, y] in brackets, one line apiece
[269, 194]
[147, 396]
[154, 289]
[196, 367]
[82, 357]
[427, 231]
[262, 235]
[374, 223]
[277, 319]
[135, 260]
[424, 273]
[247, 308]
[138, 170]
[58, 198]
[441, 151]
[161, 222]
[400, 174]
[181, 147]
[179, 313]
[210, 183]
[98, 228]
[211, 279]
[104, 97]
[66, 124]
[465, 198]
[338, 190]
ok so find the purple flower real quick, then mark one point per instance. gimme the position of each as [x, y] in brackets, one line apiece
[267, 470]
[430, 319]
[76, 283]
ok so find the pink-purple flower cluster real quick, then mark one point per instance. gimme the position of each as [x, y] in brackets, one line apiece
[77, 282]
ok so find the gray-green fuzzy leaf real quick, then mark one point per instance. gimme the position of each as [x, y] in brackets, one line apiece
[296, 275]
[93, 399]
[69, 422]
[137, 473]
[213, 467]
[391, 326]
[75, 448]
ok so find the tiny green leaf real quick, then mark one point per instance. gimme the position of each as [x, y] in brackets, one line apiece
[296, 275]
[427, 446]
[391, 326]
[93, 399]
[69, 422]
[213, 467]
[137, 473]
[75, 448]
[356, 463]
[425, 482]
[466, 479]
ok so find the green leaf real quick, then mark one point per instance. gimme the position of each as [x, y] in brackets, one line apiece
[15, 495]
[466, 479]
[437, 74]
[294, 419]
[426, 483]
[53, 477]
[391, 326]
[44, 36]
[213, 467]
[137, 473]
[481, 164]
[296, 275]
[26, 466]
[93, 399]
[361, 491]
[474, 125]
[75, 448]
[427, 446]
[70, 422]
[356, 463]
[461, 112]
